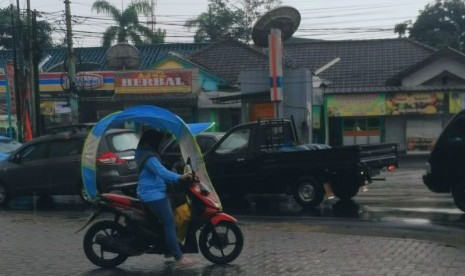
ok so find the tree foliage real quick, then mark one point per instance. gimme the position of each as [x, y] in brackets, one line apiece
[440, 24]
[229, 18]
[128, 27]
[7, 27]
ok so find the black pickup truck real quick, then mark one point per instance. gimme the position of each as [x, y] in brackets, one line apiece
[265, 157]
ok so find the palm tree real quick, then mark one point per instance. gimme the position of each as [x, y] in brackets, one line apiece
[129, 27]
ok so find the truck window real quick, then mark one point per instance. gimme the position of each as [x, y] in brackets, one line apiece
[237, 141]
[272, 135]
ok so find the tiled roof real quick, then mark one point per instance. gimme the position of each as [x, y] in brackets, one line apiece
[149, 54]
[364, 63]
[228, 58]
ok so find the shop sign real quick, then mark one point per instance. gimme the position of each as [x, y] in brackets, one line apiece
[153, 82]
[420, 144]
[89, 81]
[421, 134]
[415, 103]
[372, 104]
[2, 84]
[85, 80]
[261, 111]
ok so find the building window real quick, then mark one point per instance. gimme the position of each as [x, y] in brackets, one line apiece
[358, 131]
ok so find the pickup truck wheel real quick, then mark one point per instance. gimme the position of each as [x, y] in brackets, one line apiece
[308, 192]
[458, 193]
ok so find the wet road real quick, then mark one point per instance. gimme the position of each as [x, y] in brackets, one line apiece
[401, 197]
[397, 227]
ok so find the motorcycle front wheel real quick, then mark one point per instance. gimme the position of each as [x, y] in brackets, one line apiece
[221, 244]
[95, 252]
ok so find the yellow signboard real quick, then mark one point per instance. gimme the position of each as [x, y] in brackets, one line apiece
[415, 103]
[153, 82]
[356, 105]
[455, 102]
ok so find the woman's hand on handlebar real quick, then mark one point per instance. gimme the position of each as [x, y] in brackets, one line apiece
[187, 177]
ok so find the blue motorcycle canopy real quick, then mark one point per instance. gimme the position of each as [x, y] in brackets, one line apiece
[151, 116]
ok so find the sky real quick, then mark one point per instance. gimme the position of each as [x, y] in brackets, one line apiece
[320, 19]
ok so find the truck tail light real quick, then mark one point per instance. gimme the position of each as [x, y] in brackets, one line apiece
[391, 168]
[109, 158]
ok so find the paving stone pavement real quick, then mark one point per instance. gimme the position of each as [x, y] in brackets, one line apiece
[44, 243]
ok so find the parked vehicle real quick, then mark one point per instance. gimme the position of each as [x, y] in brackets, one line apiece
[108, 243]
[171, 153]
[265, 157]
[50, 165]
[445, 167]
[7, 146]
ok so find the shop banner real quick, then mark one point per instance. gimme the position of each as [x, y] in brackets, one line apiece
[10, 70]
[421, 134]
[372, 104]
[88, 81]
[54, 108]
[2, 83]
[415, 103]
[456, 102]
[316, 114]
[153, 82]
[261, 111]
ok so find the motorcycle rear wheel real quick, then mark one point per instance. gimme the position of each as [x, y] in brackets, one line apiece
[225, 247]
[95, 252]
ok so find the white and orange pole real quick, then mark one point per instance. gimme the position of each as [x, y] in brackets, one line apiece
[276, 70]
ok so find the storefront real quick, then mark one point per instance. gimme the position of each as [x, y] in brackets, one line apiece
[355, 118]
[102, 93]
[413, 120]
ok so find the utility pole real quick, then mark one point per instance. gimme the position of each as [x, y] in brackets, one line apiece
[73, 100]
[31, 71]
[35, 65]
[18, 67]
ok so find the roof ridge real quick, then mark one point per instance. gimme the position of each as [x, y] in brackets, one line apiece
[226, 40]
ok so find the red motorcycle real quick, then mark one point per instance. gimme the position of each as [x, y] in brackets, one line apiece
[133, 231]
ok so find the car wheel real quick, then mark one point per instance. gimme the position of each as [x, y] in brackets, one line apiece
[308, 192]
[458, 193]
[4, 196]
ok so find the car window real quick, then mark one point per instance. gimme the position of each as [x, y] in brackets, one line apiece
[235, 142]
[34, 152]
[205, 143]
[62, 148]
[123, 141]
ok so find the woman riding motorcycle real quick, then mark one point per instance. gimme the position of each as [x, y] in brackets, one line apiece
[151, 189]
